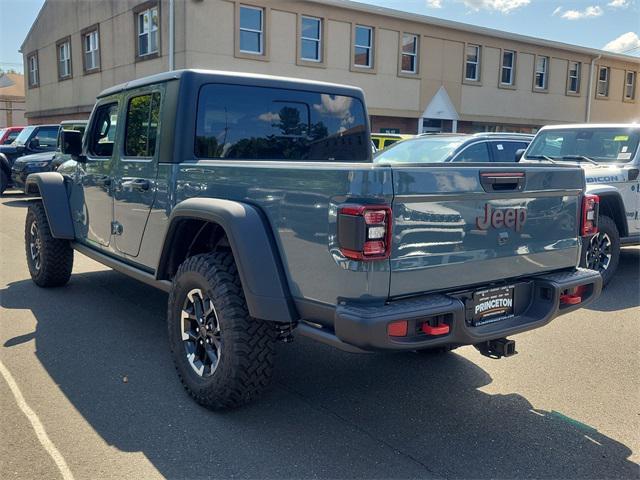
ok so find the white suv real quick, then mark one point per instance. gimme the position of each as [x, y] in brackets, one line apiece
[610, 157]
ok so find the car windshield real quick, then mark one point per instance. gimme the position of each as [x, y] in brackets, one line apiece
[421, 150]
[24, 136]
[607, 144]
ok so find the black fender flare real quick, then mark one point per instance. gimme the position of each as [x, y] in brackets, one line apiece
[5, 165]
[254, 249]
[51, 188]
[612, 194]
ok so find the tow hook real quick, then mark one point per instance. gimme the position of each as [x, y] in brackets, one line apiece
[501, 347]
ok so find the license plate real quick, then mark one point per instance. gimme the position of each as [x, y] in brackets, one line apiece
[492, 305]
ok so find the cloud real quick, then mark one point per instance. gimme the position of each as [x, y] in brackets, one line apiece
[337, 106]
[269, 117]
[589, 12]
[437, 3]
[503, 6]
[624, 43]
[618, 3]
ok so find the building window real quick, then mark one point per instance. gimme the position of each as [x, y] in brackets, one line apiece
[603, 82]
[363, 47]
[91, 49]
[64, 59]
[251, 30]
[574, 77]
[508, 67]
[311, 39]
[34, 75]
[542, 73]
[141, 133]
[147, 31]
[630, 86]
[409, 53]
[472, 69]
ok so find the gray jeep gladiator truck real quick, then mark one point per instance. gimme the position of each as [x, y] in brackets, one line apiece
[255, 203]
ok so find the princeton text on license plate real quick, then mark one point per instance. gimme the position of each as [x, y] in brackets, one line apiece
[492, 305]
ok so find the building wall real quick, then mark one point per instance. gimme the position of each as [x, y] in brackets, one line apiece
[205, 38]
[12, 113]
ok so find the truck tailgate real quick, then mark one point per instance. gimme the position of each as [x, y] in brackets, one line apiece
[457, 225]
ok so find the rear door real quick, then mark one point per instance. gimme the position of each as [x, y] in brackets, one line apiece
[458, 225]
[136, 168]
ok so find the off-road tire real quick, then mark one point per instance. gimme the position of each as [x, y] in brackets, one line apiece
[606, 226]
[55, 255]
[4, 181]
[247, 345]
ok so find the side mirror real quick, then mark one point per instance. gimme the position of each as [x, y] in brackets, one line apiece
[71, 144]
[34, 144]
[519, 154]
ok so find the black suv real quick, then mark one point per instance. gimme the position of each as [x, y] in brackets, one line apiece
[456, 147]
[32, 139]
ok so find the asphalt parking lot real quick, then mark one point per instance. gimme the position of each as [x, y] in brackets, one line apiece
[92, 366]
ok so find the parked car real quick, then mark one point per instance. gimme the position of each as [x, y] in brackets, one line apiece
[610, 157]
[32, 139]
[254, 201]
[9, 134]
[384, 140]
[455, 147]
[44, 161]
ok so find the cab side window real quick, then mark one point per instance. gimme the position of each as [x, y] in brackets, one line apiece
[103, 131]
[143, 114]
[478, 152]
[47, 137]
[11, 137]
[505, 151]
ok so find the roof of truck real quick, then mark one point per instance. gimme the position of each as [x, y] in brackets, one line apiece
[230, 77]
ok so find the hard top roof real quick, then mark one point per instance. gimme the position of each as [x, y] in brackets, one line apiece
[218, 76]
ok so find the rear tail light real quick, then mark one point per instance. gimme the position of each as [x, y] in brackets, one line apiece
[364, 231]
[590, 206]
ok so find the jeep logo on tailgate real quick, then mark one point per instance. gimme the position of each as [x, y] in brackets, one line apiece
[514, 218]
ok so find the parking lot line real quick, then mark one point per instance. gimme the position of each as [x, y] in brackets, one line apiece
[41, 433]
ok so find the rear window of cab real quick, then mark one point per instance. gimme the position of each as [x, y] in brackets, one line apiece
[238, 122]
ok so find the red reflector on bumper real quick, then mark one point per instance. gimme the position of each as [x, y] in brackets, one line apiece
[441, 329]
[570, 299]
[398, 329]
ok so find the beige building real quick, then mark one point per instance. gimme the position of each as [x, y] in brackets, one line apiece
[419, 73]
[12, 101]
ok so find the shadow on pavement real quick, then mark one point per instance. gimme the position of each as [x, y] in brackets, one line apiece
[329, 413]
[23, 203]
[624, 289]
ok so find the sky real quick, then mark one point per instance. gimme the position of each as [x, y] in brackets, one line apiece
[610, 24]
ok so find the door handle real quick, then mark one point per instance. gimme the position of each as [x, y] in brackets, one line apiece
[139, 184]
[502, 181]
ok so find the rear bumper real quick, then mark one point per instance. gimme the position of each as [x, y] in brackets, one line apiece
[365, 327]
